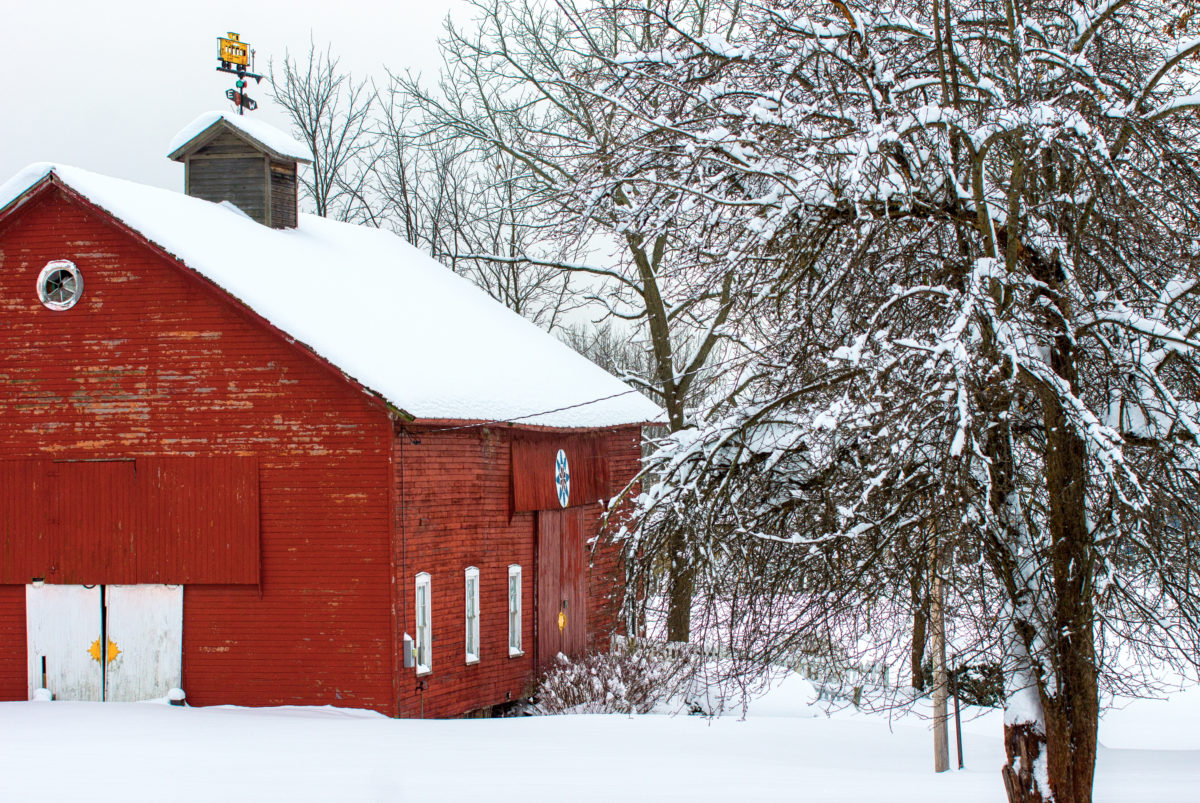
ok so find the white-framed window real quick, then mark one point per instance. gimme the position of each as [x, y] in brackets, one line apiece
[514, 610]
[472, 615]
[424, 620]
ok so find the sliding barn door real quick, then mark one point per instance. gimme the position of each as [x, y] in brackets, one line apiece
[561, 585]
[62, 627]
[145, 622]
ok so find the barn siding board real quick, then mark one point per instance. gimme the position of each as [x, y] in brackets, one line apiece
[547, 576]
[23, 516]
[453, 491]
[573, 582]
[155, 363]
[562, 575]
[284, 208]
[200, 520]
[453, 500]
[13, 662]
[85, 504]
[239, 180]
[533, 470]
[225, 144]
[151, 520]
[606, 578]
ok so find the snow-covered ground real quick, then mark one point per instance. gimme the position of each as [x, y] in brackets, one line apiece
[783, 750]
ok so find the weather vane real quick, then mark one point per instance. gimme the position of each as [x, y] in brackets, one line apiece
[236, 57]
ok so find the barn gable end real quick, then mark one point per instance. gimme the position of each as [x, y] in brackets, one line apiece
[154, 363]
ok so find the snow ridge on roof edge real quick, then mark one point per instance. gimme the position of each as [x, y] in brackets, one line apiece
[264, 134]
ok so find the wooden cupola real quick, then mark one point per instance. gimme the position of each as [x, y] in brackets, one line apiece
[252, 165]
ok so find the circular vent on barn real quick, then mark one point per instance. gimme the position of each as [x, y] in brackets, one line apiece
[60, 284]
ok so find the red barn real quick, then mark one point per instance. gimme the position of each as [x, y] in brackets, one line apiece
[246, 451]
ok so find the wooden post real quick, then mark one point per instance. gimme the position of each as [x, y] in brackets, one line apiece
[941, 740]
[954, 675]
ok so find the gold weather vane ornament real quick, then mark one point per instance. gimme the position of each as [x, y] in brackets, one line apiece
[235, 56]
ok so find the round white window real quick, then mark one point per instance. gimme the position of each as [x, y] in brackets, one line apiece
[60, 284]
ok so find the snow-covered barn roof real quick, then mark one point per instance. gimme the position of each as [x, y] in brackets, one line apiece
[387, 315]
[266, 137]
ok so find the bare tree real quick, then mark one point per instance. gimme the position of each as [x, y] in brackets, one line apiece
[459, 202]
[525, 88]
[373, 164]
[331, 112]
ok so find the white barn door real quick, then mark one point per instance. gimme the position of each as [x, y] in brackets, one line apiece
[145, 622]
[118, 643]
[62, 629]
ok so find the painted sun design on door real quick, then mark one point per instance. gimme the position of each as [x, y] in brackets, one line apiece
[110, 654]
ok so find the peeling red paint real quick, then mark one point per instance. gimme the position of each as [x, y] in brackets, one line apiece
[155, 363]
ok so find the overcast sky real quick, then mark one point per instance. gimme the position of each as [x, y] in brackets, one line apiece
[105, 85]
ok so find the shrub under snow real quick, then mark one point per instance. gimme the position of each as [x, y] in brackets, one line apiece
[625, 681]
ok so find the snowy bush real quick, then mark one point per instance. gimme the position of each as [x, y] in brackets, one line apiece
[624, 681]
[978, 684]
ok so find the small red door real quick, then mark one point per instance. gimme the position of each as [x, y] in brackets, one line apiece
[561, 585]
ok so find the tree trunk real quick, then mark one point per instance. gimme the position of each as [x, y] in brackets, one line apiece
[941, 738]
[1072, 705]
[1071, 699]
[680, 573]
[1024, 773]
[1024, 719]
[920, 606]
[680, 586]
[680, 577]
[1023, 744]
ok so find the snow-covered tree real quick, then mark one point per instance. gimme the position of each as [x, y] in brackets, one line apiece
[966, 238]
